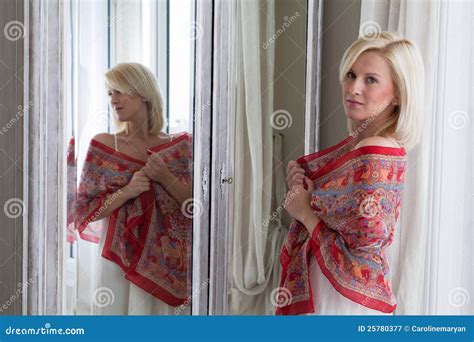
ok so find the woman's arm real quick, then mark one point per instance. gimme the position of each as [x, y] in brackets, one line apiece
[298, 205]
[112, 202]
[157, 170]
[179, 190]
[310, 221]
[138, 184]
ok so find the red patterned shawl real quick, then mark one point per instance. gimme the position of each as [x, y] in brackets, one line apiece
[149, 237]
[357, 196]
[71, 191]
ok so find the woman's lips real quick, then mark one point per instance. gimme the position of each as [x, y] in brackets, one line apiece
[353, 103]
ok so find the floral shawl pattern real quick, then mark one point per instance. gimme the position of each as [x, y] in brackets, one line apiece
[357, 196]
[71, 191]
[149, 237]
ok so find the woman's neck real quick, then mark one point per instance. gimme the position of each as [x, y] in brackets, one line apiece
[138, 130]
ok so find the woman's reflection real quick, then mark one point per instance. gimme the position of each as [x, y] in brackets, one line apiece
[132, 195]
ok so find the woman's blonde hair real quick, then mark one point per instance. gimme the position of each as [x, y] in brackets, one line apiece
[137, 79]
[406, 63]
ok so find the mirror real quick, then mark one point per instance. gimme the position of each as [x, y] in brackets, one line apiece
[130, 93]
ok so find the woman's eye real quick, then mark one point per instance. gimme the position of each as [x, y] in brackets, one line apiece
[371, 80]
[350, 74]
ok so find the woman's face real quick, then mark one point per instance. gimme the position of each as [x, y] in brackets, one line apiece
[368, 88]
[127, 107]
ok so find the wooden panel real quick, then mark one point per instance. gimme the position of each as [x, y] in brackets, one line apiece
[202, 157]
[224, 30]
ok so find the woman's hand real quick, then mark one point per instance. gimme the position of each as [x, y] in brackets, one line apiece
[294, 174]
[137, 185]
[157, 170]
[298, 204]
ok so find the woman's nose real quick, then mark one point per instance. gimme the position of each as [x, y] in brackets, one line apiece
[355, 88]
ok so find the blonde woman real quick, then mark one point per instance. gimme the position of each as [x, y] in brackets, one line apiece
[132, 190]
[345, 200]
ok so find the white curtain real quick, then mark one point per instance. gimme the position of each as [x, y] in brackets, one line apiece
[45, 152]
[432, 259]
[256, 241]
[86, 46]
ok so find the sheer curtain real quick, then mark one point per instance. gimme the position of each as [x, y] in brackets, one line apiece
[432, 259]
[86, 46]
[256, 241]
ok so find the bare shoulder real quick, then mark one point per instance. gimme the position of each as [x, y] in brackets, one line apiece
[105, 138]
[377, 141]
